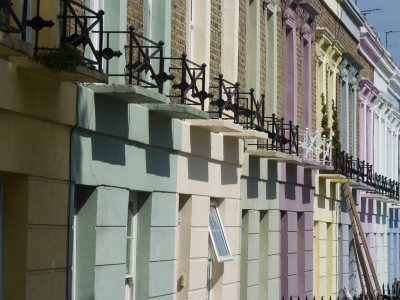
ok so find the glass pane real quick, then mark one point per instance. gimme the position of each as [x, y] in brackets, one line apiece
[217, 234]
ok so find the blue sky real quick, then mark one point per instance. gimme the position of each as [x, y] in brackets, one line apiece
[386, 19]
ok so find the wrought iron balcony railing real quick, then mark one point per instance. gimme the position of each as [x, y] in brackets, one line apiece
[192, 82]
[282, 136]
[313, 148]
[362, 172]
[12, 22]
[251, 111]
[227, 101]
[8, 17]
[143, 59]
[78, 24]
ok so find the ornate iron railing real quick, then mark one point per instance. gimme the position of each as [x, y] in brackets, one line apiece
[9, 17]
[313, 148]
[251, 111]
[77, 29]
[192, 84]
[362, 172]
[143, 57]
[8, 14]
[227, 102]
[282, 136]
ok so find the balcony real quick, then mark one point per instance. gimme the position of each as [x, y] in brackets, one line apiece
[36, 44]
[316, 152]
[363, 177]
[223, 107]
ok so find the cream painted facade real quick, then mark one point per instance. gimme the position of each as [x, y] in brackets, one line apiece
[328, 56]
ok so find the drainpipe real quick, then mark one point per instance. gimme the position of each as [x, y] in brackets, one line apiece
[71, 211]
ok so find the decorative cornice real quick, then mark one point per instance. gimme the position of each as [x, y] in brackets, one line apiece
[308, 25]
[300, 15]
[327, 46]
[351, 68]
[288, 8]
[368, 91]
[369, 47]
[271, 6]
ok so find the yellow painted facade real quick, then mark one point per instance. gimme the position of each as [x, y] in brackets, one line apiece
[328, 56]
[326, 229]
[327, 197]
[36, 116]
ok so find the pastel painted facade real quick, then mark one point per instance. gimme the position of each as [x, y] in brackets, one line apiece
[117, 184]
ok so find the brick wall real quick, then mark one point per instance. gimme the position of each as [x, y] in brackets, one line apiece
[280, 66]
[242, 45]
[299, 81]
[327, 20]
[178, 39]
[215, 43]
[314, 96]
[135, 15]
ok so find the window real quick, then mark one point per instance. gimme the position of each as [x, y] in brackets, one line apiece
[221, 250]
[130, 249]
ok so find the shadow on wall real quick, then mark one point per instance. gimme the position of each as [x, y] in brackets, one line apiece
[111, 119]
[231, 155]
[160, 135]
[290, 191]
[252, 188]
[271, 190]
[200, 144]
[306, 195]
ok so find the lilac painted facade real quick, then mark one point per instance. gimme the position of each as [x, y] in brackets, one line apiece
[297, 15]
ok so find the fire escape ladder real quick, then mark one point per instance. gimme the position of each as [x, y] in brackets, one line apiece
[360, 255]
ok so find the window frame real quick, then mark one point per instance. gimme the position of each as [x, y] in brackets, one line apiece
[218, 258]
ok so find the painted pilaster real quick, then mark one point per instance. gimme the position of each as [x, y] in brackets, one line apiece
[230, 40]
[328, 57]
[101, 220]
[253, 46]
[349, 79]
[307, 27]
[271, 22]
[157, 27]
[289, 16]
[250, 255]
[156, 245]
[367, 96]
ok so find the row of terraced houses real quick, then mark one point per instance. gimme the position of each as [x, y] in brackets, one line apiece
[196, 149]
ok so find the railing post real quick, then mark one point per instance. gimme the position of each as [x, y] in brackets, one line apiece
[290, 136]
[263, 111]
[251, 109]
[297, 140]
[64, 25]
[131, 28]
[220, 83]
[236, 97]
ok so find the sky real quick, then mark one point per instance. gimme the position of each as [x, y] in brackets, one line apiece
[386, 19]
